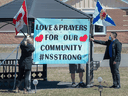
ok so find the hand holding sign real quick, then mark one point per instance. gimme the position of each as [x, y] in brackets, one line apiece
[84, 38]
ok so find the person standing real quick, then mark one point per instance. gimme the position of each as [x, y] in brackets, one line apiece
[77, 68]
[25, 62]
[113, 53]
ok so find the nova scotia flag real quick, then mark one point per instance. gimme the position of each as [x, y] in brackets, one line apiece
[100, 17]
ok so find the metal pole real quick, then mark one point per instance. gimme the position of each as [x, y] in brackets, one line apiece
[90, 57]
[91, 49]
[15, 68]
[45, 72]
[100, 93]
[87, 75]
[11, 52]
[29, 27]
[35, 88]
[91, 43]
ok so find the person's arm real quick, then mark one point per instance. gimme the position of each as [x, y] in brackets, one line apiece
[22, 45]
[119, 47]
[27, 45]
[29, 48]
[99, 41]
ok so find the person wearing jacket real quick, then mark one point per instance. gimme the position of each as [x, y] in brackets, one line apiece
[25, 62]
[113, 53]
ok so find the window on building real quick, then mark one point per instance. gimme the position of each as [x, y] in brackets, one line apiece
[25, 30]
[6, 27]
[99, 30]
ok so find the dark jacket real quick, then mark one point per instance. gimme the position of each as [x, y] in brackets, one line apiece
[26, 55]
[116, 49]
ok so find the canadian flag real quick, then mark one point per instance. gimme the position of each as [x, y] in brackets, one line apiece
[20, 18]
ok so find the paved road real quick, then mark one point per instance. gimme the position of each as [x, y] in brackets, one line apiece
[97, 57]
[105, 63]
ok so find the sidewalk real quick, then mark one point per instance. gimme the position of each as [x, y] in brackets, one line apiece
[98, 45]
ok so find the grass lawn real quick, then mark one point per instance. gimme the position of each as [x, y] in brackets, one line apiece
[62, 74]
[96, 49]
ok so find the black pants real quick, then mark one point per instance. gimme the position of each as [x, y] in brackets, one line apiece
[23, 72]
[115, 72]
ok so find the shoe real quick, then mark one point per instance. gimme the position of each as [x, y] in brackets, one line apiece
[82, 85]
[17, 90]
[118, 87]
[73, 84]
[25, 91]
[113, 86]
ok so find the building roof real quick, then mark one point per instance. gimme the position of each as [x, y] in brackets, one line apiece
[42, 9]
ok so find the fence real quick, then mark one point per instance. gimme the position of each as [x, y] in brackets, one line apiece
[7, 72]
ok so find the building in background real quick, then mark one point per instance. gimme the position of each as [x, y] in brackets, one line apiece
[7, 33]
[117, 9]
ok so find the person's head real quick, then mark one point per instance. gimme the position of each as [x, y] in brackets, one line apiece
[113, 35]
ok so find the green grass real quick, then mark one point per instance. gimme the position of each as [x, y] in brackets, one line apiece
[8, 49]
[63, 75]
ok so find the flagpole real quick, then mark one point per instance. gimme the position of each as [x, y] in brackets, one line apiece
[28, 28]
[27, 19]
[23, 33]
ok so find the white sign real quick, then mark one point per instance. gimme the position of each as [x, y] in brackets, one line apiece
[61, 41]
